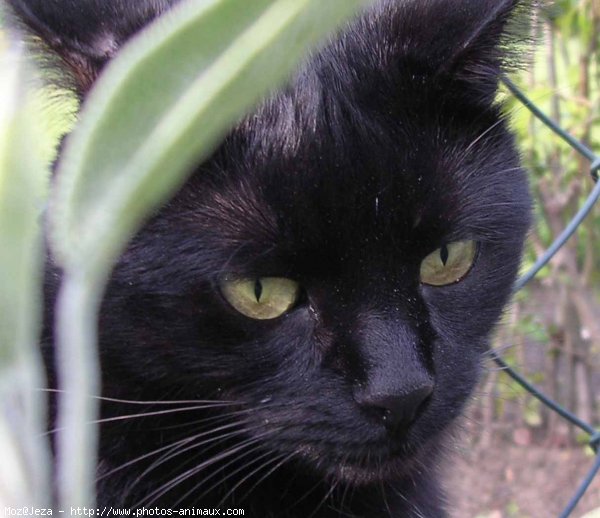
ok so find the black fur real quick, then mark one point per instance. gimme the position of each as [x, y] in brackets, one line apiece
[386, 145]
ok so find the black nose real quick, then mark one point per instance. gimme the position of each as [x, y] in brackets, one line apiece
[397, 411]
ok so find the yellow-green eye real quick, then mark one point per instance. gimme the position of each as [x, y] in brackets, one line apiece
[448, 264]
[262, 298]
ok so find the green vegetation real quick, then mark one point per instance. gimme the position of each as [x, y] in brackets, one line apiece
[101, 198]
[561, 309]
[24, 469]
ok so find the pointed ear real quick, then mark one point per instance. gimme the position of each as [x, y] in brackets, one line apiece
[490, 37]
[84, 34]
[460, 47]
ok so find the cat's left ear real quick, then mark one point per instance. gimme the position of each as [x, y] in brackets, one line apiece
[84, 34]
[460, 47]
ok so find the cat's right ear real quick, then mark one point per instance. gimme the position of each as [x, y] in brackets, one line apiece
[83, 34]
[458, 47]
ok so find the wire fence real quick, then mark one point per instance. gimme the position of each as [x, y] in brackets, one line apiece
[588, 428]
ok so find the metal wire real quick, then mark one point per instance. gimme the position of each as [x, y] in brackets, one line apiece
[572, 141]
[582, 489]
[562, 239]
[594, 434]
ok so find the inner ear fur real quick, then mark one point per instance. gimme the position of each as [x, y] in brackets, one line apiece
[493, 39]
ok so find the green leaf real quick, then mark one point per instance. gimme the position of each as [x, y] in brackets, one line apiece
[24, 466]
[165, 104]
[160, 109]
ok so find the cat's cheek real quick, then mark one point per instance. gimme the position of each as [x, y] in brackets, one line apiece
[468, 310]
[462, 338]
[452, 318]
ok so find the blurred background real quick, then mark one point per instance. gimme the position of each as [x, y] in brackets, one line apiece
[520, 459]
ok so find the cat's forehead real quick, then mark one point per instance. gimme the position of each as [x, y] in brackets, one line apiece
[308, 173]
[372, 146]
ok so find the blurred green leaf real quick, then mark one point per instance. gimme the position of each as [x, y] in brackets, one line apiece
[143, 130]
[24, 465]
[161, 107]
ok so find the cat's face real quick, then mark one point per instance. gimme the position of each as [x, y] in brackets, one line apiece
[334, 271]
[363, 360]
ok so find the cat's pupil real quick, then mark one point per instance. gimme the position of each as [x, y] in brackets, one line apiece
[444, 254]
[258, 289]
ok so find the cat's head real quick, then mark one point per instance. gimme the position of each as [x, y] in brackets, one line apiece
[336, 268]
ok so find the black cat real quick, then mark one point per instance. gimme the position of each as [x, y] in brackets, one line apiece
[319, 296]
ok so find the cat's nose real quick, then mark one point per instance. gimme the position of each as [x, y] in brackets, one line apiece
[397, 411]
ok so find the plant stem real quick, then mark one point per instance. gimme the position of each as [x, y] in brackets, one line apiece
[78, 374]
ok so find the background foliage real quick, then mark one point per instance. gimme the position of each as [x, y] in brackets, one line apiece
[554, 329]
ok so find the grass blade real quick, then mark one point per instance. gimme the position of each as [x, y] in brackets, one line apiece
[162, 107]
[25, 462]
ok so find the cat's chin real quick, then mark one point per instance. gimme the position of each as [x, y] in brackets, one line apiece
[362, 472]
[386, 471]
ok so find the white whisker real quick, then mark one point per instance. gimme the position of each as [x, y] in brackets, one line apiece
[149, 402]
[159, 492]
[183, 441]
